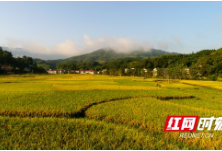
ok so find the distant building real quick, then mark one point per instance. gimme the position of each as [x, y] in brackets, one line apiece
[27, 69]
[89, 72]
[7, 69]
[77, 71]
[60, 71]
[187, 71]
[81, 71]
[145, 70]
[126, 70]
[104, 71]
[161, 72]
[154, 72]
[50, 71]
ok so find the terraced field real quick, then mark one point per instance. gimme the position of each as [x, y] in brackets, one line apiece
[102, 112]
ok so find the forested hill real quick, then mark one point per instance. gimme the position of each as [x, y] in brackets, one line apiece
[19, 64]
[102, 56]
[202, 64]
[205, 64]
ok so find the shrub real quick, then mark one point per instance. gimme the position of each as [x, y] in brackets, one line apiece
[213, 77]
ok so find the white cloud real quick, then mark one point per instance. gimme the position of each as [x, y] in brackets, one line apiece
[34, 47]
[123, 45]
[68, 48]
[174, 44]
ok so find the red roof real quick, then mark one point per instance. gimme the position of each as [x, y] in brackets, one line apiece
[5, 66]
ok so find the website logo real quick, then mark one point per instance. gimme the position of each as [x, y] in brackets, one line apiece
[181, 123]
[191, 123]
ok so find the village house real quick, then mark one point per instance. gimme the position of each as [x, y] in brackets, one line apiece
[187, 71]
[104, 71]
[77, 71]
[50, 71]
[26, 69]
[161, 72]
[126, 70]
[7, 69]
[145, 70]
[81, 71]
[154, 72]
[89, 72]
[60, 71]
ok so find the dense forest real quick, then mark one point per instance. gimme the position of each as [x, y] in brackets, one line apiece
[18, 65]
[205, 64]
[102, 56]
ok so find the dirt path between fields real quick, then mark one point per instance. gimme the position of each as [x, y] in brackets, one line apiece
[81, 113]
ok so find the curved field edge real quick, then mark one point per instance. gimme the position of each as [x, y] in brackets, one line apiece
[142, 114]
[82, 110]
[135, 117]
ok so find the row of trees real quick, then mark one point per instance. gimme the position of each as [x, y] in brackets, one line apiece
[203, 64]
[19, 64]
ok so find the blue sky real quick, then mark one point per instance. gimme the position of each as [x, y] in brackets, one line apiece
[64, 29]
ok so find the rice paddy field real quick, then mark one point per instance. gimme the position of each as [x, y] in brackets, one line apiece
[102, 112]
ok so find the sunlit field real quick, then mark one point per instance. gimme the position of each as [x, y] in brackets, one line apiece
[72, 111]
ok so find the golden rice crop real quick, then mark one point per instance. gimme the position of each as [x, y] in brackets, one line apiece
[118, 112]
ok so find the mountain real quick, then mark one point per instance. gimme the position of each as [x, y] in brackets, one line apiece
[20, 52]
[102, 56]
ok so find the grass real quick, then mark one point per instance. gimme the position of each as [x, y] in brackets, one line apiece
[38, 112]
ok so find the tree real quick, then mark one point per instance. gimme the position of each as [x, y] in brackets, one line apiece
[194, 72]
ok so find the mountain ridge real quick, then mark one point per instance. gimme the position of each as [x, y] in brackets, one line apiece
[102, 56]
